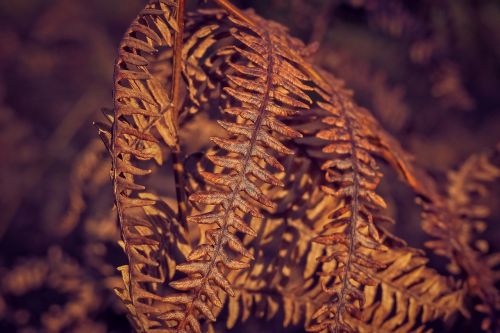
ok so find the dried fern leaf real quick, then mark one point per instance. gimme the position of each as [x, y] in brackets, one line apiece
[141, 103]
[356, 231]
[264, 84]
[405, 296]
[165, 242]
[255, 69]
[439, 219]
[352, 174]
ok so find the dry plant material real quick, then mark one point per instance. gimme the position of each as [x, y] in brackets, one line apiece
[32, 277]
[279, 211]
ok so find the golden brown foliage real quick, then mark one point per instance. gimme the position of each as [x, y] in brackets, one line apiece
[283, 212]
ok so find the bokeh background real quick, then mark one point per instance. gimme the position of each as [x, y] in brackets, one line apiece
[429, 70]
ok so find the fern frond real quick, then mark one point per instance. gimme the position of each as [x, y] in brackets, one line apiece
[352, 234]
[405, 295]
[141, 103]
[268, 85]
[249, 197]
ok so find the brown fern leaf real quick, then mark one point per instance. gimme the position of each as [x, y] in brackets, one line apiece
[355, 232]
[264, 84]
[141, 103]
[353, 174]
[167, 243]
[237, 207]
[405, 296]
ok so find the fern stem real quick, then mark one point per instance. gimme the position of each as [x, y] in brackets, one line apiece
[180, 192]
[235, 11]
[178, 167]
[177, 72]
[354, 219]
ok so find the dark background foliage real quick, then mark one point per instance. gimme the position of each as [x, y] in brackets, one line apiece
[429, 70]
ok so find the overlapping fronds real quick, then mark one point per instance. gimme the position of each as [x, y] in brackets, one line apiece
[407, 295]
[452, 219]
[306, 235]
[251, 190]
[302, 207]
[404, 295]
[286, 281]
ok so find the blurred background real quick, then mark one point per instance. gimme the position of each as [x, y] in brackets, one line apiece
[429, 70]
